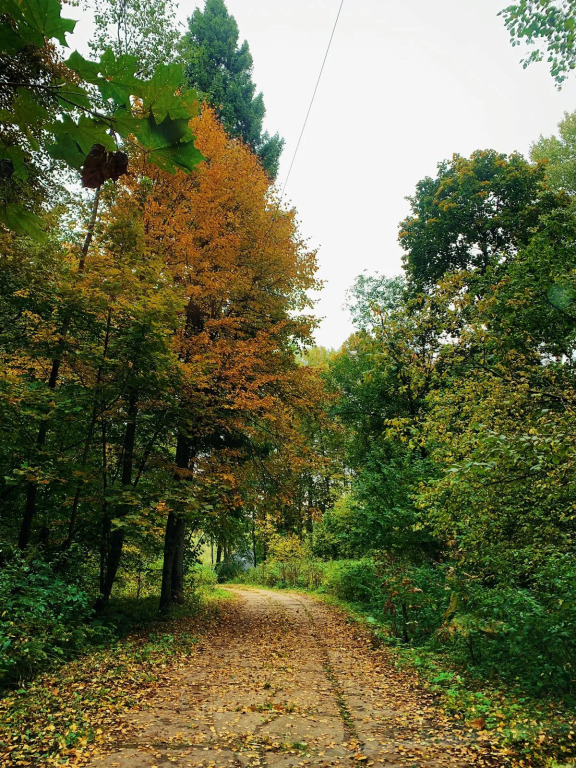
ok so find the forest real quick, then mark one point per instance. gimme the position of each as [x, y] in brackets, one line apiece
[169, 425]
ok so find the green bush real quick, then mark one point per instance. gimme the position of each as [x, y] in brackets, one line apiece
[203, 575]
[355, 581]
[45, 615]
[497, 628]
[227, 570]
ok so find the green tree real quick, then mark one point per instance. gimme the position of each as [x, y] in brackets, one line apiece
[372, 297]
[551, 26]
[473, 215]
[143, 29]
[221, 71]
[559, 153]
[381, 378]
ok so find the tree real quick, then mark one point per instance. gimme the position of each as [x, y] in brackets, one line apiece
[559, 154]
[221, 71]
[372, 297]
[550, 24]
[476, 213]
[245, 272]
[143, 29]
[381, 379]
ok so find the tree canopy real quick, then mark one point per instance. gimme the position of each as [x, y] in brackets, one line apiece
[474, 214]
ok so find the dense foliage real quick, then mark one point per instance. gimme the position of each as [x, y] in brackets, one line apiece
[151, 335]
[456, 398]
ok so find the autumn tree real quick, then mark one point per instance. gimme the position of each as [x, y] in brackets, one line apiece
[245, 273]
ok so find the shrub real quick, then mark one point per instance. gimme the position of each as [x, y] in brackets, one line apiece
[289, 555]
[355, 581]
[497, 627]
[227, 570]
[203, 575]
[45, 615]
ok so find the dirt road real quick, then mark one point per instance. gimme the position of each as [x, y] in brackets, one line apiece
[286, 681]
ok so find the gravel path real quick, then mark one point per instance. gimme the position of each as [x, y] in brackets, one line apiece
[286, 681]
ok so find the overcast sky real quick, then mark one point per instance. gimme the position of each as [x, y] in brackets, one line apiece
[405, 86]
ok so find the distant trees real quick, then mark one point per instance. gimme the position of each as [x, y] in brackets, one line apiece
[143, 28]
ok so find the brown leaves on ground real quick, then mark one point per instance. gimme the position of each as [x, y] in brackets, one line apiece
[63, 718]
[280, 680]
[276, 680]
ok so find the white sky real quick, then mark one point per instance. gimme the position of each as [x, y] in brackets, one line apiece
[405, 86]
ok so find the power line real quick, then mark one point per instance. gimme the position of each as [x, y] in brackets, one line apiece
[278, 203]
[312, 100]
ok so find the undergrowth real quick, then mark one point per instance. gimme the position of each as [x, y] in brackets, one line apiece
[72, 713]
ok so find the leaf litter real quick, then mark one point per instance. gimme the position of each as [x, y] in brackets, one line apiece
[275, 679]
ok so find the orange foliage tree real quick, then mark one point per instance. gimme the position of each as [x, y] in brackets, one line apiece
[245, 274]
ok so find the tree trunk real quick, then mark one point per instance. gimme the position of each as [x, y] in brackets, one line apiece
[172, 590]
[405, 635]
[177, 591]
[115, 543]
[170, 547]
[253, 540]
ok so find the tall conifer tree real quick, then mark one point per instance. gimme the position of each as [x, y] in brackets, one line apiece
[221, 70]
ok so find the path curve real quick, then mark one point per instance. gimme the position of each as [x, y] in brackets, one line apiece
[286, 681]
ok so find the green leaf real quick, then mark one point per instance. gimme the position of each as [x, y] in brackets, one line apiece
[155, 135]
[15, 217]
[26, 110]
[72, 95]
[125, 121]
[10, 41]
[74, 140]
[113, 76]
[159, 94]
[68, 150]
[184, 157]
[18, 157]
[87, 70]
[43, 17]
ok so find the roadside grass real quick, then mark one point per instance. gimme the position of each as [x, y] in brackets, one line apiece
[70, 714]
